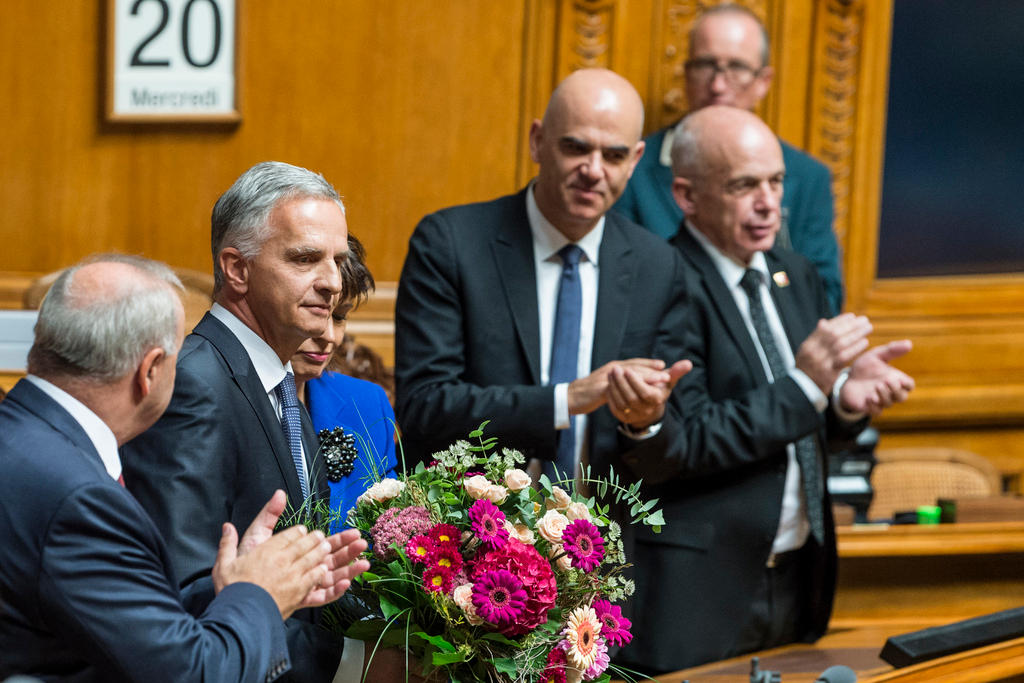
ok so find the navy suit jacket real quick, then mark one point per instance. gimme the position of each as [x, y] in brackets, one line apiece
[721, 492]
[217, 454]
[362, 409]
[467, 335]
[87, 591]
[806, 200]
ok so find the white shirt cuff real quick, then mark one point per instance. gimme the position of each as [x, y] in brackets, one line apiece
[642, 434]
[562, 406]
[837, 405]
[818, 399]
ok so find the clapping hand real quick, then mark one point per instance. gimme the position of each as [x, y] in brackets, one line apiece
[873, 384]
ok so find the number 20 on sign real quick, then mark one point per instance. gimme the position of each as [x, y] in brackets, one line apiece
[171, 60]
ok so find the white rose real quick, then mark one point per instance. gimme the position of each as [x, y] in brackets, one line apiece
[463, 596]
[551, 526]
[521, 532]
[559, 499]
[564, 562]
[578, 511]
[516, 480]
[496, 494]
[382, 491]
[476, 486]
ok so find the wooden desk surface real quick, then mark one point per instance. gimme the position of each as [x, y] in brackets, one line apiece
[858, 646]
[903, 540]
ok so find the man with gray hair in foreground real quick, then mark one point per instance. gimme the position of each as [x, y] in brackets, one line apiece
[235, 430]
[86, 589]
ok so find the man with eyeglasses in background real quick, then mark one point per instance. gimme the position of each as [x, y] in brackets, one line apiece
[728, 65]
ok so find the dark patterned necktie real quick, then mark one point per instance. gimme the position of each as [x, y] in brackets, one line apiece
[806, 447]
[291, 423]
[565, 349]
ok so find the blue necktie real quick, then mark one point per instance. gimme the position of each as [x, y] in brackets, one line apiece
[806, 447]
[291, 422]
[565, 350]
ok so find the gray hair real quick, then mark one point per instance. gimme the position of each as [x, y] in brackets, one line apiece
[240, 216]
[687, 153]
[733, 8]
[102, 336]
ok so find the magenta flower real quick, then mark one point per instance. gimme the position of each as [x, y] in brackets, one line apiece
[488, 523]
[499, 597]
[419, 547]
[437, 579]
[446, 555]
[395, 527]
[614, 626]
[583, 544]
[445, 533]
[554, 672]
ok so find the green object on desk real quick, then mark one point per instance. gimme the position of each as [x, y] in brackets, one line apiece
[929, 514]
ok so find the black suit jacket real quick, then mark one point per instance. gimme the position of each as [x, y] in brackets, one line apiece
[467, 332]
[721, 491]
[217, 454]
[87, 592]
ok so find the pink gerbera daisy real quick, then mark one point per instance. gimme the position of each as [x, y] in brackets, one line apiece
[488, 523]
[499, 597]
[446, 555]
[437, 579]
[614, 626]
[583, 544]
[418, 548]
[581, 631]
[444, 533]
[601, 661]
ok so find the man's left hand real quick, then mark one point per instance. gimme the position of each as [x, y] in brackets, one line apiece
[635, 401]
[873, 384]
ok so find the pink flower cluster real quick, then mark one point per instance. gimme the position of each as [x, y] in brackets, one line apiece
[438, 550]
[532, 571]
[396, 526]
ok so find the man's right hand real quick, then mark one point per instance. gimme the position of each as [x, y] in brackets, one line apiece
[831, 347]
[288, 565]
[589, 393]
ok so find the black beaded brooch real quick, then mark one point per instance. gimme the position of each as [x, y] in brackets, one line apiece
[339, 451]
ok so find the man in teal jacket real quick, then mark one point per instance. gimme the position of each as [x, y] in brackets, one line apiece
[728, 65]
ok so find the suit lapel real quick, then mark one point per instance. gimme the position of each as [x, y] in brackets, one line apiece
[514, 261]
[245, 378]
[616, 266]
[722, 301]
[786, 304]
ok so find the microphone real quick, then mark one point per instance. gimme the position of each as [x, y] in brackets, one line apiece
[837, 674]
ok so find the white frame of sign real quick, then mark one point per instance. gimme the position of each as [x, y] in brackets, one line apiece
[172, 61]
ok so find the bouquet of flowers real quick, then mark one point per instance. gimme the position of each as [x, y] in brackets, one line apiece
[480, 576]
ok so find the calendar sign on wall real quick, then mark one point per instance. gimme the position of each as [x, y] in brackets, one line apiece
[171, 60]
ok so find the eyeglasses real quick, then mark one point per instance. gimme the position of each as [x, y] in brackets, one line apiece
[737, 74]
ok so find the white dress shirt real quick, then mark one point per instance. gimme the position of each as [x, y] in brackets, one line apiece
[793, 525]
[268, 366]
[547, 241]
[101, 436]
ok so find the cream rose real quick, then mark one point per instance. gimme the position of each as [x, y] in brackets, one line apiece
[496, 494]
[463, 596]
[551, 526]
[559, 499]
[476, 486]
[577, 510]
[564, 563]
[383, 490]
[516, 480]
[521, 532]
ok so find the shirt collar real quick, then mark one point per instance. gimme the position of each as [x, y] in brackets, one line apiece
[665, 153]
[547, 239]
[268, 366]
[101, 436]
[730, 271]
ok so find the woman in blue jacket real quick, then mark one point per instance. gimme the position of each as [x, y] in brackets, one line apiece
[360, 408]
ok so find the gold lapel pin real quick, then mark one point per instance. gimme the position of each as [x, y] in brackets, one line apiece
[781, 279]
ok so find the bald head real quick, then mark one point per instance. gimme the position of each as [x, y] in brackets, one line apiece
[101, 316]
[587, 146]
[728, 172]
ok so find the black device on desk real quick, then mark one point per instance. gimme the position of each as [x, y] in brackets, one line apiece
[849, 473]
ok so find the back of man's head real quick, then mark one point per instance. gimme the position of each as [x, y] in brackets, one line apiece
[102, 315]
[240, 216]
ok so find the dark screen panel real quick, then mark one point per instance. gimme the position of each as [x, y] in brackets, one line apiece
[953, 186]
